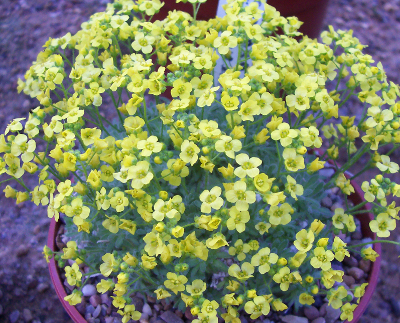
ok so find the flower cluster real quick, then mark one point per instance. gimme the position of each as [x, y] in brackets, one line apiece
[223, 178]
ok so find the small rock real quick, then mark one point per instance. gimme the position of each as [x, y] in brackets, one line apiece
[319, 320]
[326, 202]
[105, 299]
[89, 290]
[81, 307]
[332, 314]
[1, 309]
[157, 307]
[179, 313]
[394, 303]
[144, 316]
[144, 321]
[365, 265]
[42, 287]
[311, 312]
[95, 300]
[356, 235]
[350, 261]
[147, 309]
[336, 206]
[14, 316]
[22, 250]
[348, 280]
[138, 302]
[97, 311]
[89, 309]
[322, 310]
[294, 319]
[243, 319]
[109, 319]
[170, 317]
[151, 299]
[1, 294]
[27, 314]
[356, 273]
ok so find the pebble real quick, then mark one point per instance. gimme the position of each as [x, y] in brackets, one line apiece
[27, 314]
[89, 309]
[365, 265]
[332, 314]
[243, 319]
[109, 319]
[42, 287]
[105, 299]
[97, 311]
[350, 261]
[170, 317]
[336, 206]
[348, 280]
[22, 250]
[322, 310]
[311, 312]
[89, 290]
[1, 309]
[188, 314]
[138, 302]
[143, 321]
[326, 202]
[95, 300]
[144, 316]
[1, 294]
[394, 303]
[356, 272]
[151, 299]
[294, 319]
[319, 320]
[14, 316]
[147, 309]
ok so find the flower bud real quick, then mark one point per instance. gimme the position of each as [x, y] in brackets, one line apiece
[282, 262]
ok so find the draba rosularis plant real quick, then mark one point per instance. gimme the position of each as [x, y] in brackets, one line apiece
[211, 200]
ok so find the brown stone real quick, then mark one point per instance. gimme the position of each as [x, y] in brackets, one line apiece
[356, 273]
[365, 265]
[348, 280]
[350, 261]
[188, 314]
[22, 250]
[311, 312]
[95, 300]
[319, 320]
[138, 302]
[151, 299]
[171, 317]
[322, 309]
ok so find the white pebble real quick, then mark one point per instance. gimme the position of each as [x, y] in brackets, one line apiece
[89, 290]
[147, 309]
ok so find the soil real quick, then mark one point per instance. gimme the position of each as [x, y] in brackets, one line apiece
[26, 293]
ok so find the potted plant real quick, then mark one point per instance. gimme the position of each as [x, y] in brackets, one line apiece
[209, 201]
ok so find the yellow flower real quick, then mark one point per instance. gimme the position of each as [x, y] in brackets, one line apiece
[217, 241]
[383, 225]
[347, 311]
[322, 258]
[240, 249]
[161, 293]
[211, 199]
[175, 283]
[189, 152]
[360, 291]
[109, 265]
[263, 183]
[339, 248]
[369, 253]
[293, 188]
[263, 259]
[304, 240]
[111, 223]
[224, 42]
[283, 278]
[149, 146]
[306, 298]
[293, 162]
[129, 313]
[248, 166]
[141, 175]
[74, 298]
[148, 262]
[259, 306]
[280, 214]
[240, 196]
[284, 134]
[237, 219]
[143, 43]
[228, 146]
[335, 297]
[241, 273]
[104, 286]
[181, 89]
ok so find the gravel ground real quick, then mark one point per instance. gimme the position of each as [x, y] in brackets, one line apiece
[26, 293]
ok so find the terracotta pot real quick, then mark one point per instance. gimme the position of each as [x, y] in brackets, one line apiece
[311, 12]
[364, 218]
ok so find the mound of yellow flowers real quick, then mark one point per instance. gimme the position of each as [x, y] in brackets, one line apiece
[158, 198]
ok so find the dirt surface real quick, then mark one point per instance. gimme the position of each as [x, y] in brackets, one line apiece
[26, 293]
